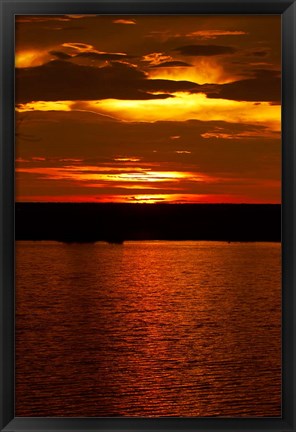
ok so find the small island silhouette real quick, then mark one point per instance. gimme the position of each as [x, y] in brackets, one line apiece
[116, 223]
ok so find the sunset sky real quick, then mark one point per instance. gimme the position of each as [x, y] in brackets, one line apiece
[181, 109]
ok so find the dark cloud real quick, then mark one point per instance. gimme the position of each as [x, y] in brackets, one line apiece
[266, 73]
[265, 87]
[60, 55]
[204, 50]
[61, 80]
[259, 53]
[116, 138]
[94, 55]
[171, 64]
[171, 86]
[101, 56]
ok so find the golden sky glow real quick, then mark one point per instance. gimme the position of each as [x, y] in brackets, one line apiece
[184, 106]
[179, 108]
[148, 108]
[30, 58]
[202, 71]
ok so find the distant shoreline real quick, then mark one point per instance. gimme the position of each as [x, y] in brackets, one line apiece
[148, 241]
[117, 223]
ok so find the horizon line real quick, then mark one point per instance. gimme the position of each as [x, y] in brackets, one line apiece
[144, 203]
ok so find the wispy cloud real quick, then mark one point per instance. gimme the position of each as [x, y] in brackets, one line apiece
[213, 34]
[124, 21]
[204, 50]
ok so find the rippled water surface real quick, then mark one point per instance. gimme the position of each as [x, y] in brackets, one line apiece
[148, 329]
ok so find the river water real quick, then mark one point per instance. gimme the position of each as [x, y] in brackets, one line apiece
[148, 329]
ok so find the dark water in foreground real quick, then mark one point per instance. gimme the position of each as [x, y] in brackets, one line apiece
[148, 329]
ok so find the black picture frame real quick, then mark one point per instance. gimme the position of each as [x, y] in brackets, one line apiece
[8, 10]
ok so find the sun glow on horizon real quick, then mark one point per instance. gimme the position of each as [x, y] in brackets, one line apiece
[146, 199]
[135, 175]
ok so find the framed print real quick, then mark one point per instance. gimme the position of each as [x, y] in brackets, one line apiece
[147, 215]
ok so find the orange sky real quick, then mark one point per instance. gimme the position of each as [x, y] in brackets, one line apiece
[148, 109]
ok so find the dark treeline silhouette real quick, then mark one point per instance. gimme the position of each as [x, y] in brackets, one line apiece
[89, 222]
